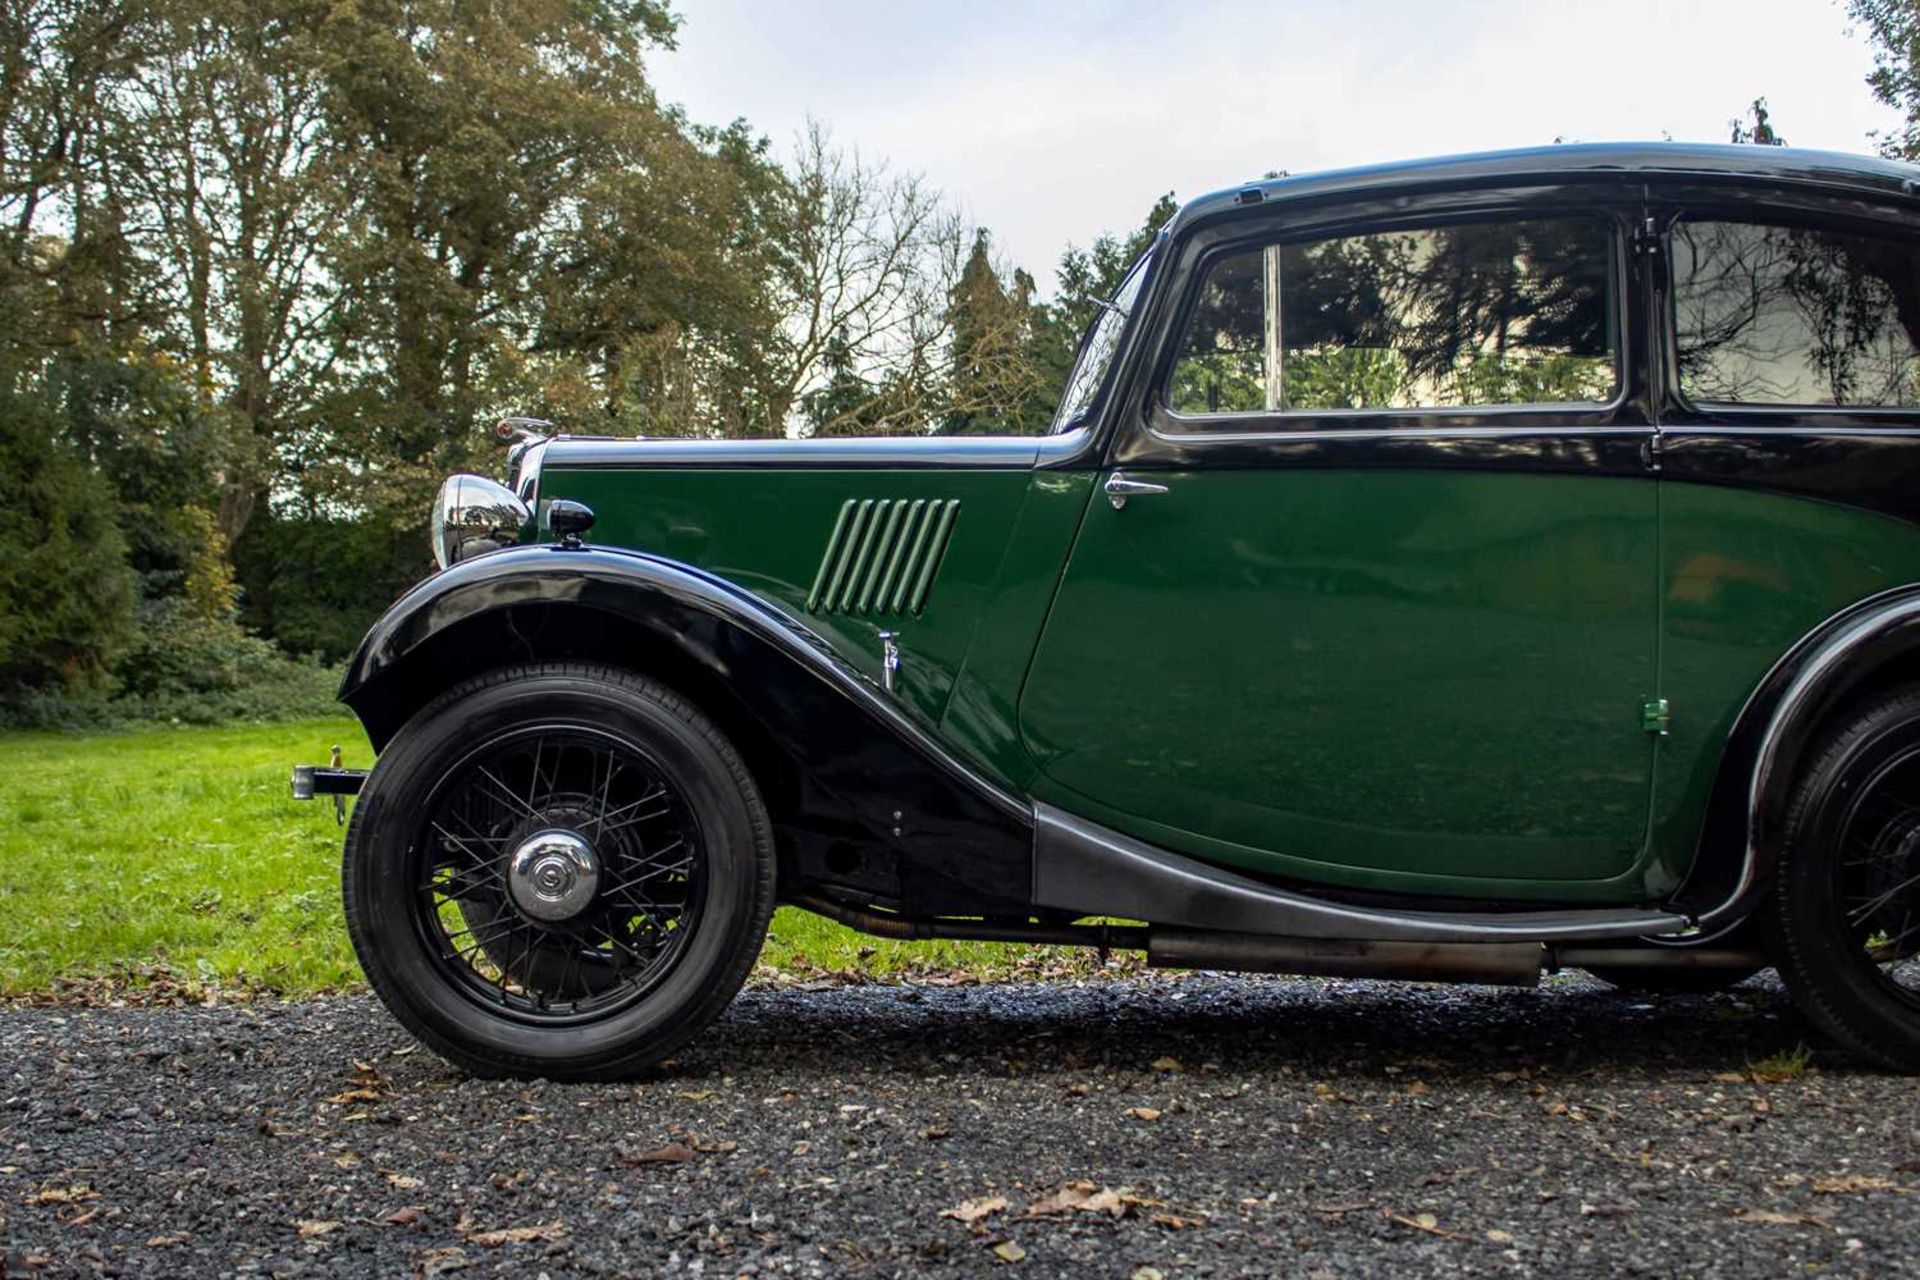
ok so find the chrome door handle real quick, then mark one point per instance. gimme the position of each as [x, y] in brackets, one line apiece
[1120, 486]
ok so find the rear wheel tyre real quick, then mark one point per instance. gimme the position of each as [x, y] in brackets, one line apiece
[1844, 920]
[1675, 981]
[558, 870]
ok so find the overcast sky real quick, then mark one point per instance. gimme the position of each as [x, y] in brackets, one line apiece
[1049, 122]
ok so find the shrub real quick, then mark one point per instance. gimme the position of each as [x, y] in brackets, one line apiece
[66, 595]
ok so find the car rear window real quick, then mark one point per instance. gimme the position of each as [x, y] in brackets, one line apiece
[1770, 314]
[1473, 314]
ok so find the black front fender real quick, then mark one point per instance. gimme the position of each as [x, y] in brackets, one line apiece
[861, 794]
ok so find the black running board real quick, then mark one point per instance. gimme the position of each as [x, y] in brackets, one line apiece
[1091, 870]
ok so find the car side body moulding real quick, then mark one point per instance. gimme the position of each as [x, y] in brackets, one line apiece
[1086, 869]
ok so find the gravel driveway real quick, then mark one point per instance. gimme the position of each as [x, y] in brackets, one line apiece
[1194, 1126]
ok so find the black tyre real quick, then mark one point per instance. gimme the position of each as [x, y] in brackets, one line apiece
[558, 870]
[1844, 920]
[1673, 982]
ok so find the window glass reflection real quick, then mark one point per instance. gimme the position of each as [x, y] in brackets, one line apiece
[1795, 315]
[1447, 317]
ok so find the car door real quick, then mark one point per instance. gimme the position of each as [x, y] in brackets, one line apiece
[1380, 609]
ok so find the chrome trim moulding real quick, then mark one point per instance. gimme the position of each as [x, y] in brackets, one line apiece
[1091, 870]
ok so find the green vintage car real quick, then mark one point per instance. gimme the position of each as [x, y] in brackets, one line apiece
[1450, 570]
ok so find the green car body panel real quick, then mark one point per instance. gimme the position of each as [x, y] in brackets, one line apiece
[1744, 576]
[1448, 673]
[1321, 668]
[769, 530]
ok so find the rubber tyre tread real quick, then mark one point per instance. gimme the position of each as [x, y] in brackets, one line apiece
[1831, 986]
[426, 1001]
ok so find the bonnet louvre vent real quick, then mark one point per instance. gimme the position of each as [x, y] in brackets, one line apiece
[883, 555]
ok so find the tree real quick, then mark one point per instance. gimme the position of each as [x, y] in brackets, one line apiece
[1082, 276]
[1893, 29]
[867, 261]
[224, 158]
[1755, 128]
[66, 598]
[993, 371]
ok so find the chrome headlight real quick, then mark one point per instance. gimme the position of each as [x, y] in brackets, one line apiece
[473, 515]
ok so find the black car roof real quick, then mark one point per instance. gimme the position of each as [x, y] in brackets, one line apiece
[1576, 161]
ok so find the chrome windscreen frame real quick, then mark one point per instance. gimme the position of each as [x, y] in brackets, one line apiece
[523, 471]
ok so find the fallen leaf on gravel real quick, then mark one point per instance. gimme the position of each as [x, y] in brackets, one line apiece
[696, 1095]
[1849, 1183]
[1079, 1195]
[1423, 1222]
[707, 1148]
[933, 1133]
[1770, 1218]
[346, 1160]
[1334, 1208]
[406, 1215]
[355, 1095]
[437, 1262]
[311, 1227]
[519, 1235]
[1168, 1066]
[672, 1153]
[1731, 1077]
[971, 1211]
[1143, 1113]
[1497, 1236]
[1146, 1273]
[402, 1182]
[63, 1195]
[1009, 1251]
[162, 1242]
[1174, 1222]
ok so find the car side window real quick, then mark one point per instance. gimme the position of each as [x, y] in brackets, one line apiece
[1771, 314]
[1512, 312]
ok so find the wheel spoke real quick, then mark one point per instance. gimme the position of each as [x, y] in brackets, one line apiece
[651, 886]
[1882, 899]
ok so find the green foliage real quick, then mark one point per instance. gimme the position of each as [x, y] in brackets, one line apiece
[1892, 27]
[316, 584]
[1756, 127]
[993, 375]
[270, 269]
[66, 597]
[1347, 378]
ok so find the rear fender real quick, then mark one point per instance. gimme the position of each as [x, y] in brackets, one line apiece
[1869, 646]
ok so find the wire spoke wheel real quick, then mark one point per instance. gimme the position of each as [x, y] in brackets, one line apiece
[557, 874]
[1878, 873]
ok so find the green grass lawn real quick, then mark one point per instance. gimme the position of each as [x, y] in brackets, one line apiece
[174, 855]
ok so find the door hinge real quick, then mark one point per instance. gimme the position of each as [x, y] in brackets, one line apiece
[1646, 236]
[1656, 716]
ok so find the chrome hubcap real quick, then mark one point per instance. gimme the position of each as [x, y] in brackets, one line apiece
[553, 875]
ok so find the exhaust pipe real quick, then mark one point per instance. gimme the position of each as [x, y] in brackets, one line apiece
[1575, 956]
[1503, 963]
